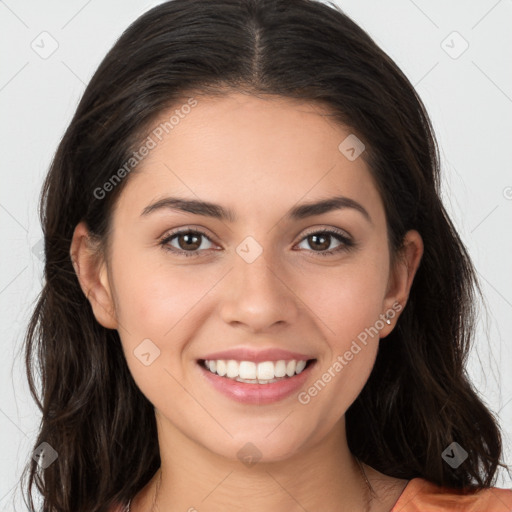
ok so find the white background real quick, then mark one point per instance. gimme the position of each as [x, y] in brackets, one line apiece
[469, 99]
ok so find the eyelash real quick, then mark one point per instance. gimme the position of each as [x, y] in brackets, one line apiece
[347, 243]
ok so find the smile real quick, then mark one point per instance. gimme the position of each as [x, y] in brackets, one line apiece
[268, 382]
[265, 372]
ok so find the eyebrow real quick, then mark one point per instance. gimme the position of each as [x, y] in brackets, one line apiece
[219, 212]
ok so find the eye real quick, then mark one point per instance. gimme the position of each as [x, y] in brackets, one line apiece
[188, 240]
[322, 239]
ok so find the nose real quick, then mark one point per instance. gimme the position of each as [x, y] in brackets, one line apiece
[258, 295]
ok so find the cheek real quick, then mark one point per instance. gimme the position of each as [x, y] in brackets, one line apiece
[348, 299]
[152, 300]
[160, 303]
[153, 306]
[348, 304]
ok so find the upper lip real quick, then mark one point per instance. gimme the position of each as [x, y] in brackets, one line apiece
[257, 356]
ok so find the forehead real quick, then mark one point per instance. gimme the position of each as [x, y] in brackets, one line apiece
[250, 153]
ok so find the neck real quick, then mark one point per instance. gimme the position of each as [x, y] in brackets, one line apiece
[194, 478]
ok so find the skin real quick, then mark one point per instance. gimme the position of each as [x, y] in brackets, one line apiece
[259, 157]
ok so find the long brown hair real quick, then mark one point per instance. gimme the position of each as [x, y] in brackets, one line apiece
[418, 398]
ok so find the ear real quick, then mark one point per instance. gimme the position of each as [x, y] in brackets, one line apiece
[92, 273]
[401, 278]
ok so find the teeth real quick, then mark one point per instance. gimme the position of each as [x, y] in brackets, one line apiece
[265, 371]
[280, 369]
[221, 367]
[232, 369]
[250, 372]
[300, 366]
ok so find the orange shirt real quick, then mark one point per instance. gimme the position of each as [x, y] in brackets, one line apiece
[423, 496]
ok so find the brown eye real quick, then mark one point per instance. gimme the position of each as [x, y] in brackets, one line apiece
[320, 241]
[188, 242]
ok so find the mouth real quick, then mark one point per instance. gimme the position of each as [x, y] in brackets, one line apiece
[250, 372]
[253, 382]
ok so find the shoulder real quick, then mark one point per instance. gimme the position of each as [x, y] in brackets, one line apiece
[423, 496]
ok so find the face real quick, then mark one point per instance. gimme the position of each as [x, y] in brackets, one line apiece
[273, 282]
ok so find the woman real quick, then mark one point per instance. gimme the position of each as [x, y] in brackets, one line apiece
[254, 297]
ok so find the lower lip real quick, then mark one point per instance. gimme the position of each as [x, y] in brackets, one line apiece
[257, 393]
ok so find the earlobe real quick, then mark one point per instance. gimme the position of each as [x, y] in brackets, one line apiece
[92, 274]
[401, 278]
